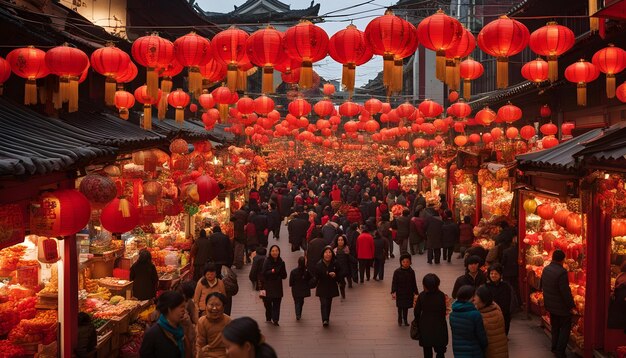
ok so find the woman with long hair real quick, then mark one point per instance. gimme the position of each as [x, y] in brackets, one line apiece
[166, 338]
[430, 314]
[327, 273]
[243, 339]
[144, 275]
[342, 257]
[209, 342]
[274, 272]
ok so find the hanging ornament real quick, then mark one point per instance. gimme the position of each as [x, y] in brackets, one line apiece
[349, 47]
[110, 62]
[265, 49]
[581, 73]
[462, 48]
[152, 52]
[68, 63]
[123, 102]
[28, 63]
[469, 70]
[306, 43]
[47, 250]
[193, 51]
[439, 33]
[142, 96]
[610, 60]
[229, 47]
[536, 71]
[179, 99]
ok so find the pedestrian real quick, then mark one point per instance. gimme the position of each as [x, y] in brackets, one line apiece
[314, 252]
[297, 230]
[450, 236]
[365, 252]
[274, 272]
[252, 242]
[209, 342]
[221, 249]
[501, 292]
[404, 288]
[274, 220]
[255, 269]
[493, 321]
[417, 236]
[144, 275]
[430, 314]
[466, 235]
[381, 251]
[260, 224]
[327, 273]
[87, 337]
[200, 254]
[473, 275]
[166, 339]
[239, 219]
[402, 225]
[434, 234]
[229, 277]
[243, 339]
[190, 319]
[510, 271]
[351, 235]
[469, 339]
[330, 230]
[354, 213]
[384, 230]
[558, 301]
[208, 284]
[300, 280]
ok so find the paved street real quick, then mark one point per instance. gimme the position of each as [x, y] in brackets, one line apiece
[364, 324]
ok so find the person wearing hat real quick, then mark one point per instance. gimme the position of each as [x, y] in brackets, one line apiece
[404, 288]
[473, 275]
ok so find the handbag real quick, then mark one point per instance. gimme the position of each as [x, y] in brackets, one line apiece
[415, 330]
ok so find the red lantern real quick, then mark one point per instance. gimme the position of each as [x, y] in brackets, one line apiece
[560, 217]
[460, 140]
[28, 63]
[68, 63]
[552, 41]
[459, 127]
[439, 32]
[229, 47]
[453, 96]
[394, 39]
[545, 211]
[512, 132]
[440, 125]
[193, 51]
[470, 70]
[299, 107]
[549, 142]
[5, 72]
[119, 216]
[123, 101]
[142, 96]
[430, 108]
[509, 113]
[485, 116]
[372, 126]
[545, 111]
[153, 52]
[349, 47]
[403, 144]
[263, 105]
[496, 133]
[245, 105]
[373, 105]
[328, 89]
[428, 128]
[179, 99]
[548, 129]
[474, 138]
[405, 110]
[503, 38]
[324, 108]
[349, 109]
[350, 126]
[265, 49]
[213, 71]
[581, 73]
[128, 74]
[223, 97]
[306, 43]
[60, 213]
[179, 146]
[110, 61]
[206, 100]
[527, 132]
[567, 128]
[462, 48]
[610, 61]
[460, 109]
[98, 189]
[574, 224]
[536, 71]
[621, 92]
[487, 138]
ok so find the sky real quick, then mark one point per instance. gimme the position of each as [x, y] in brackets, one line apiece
[360, 15]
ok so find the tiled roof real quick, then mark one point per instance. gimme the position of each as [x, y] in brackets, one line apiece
[560, 157]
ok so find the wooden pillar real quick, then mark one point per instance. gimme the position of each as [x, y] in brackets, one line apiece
[68, 296]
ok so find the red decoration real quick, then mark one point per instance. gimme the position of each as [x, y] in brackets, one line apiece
[142, 96]
[179, 99]
[245, 105]
[573, 224]
[153, 52]
[503, 38]
[306, 43]
[60, 213]
[474, 138]
[229, 47]
[374, 105]
[299, 107]
[545, 111]
[349, 109]
[193, 51]
[567, 128]
[536, 71]
[462, 48]
[405, 110]
[440, 32]
[610, 61]
[496, 133]
[206, 100]
[430, 108]
[453, 96]
[545, 211]
[110, 62]
[179, 146]
[265, 49]
[485, 116]
[512, 132]
[460, 109]
[324, 108]
[549, 142]
[372, 126]
[548, 129]
[349, 47]
[263, 105]
[119, 216]
[552, 41]
[28, 63]
[213, 71]
[581, 73]
[509, 113]
[127, 75]
[123, 102]
[487, 138]
[527, 132]
[621, 92]
[208, 188]
[460, 140]
[469, 70]
[5, 72]
[618, 228]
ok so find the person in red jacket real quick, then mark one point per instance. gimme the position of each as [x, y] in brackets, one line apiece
[393, 185]
[335, 194]
[365, 252]
[354, 213]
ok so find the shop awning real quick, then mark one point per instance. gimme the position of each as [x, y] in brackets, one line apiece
[191, 130]
[610, 146]
[615, 10]
[560, 157]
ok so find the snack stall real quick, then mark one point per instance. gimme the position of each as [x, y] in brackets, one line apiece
[463, 186]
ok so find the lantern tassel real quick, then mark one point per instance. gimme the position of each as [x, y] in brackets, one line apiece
[166, 88]
[152, 82]
[467, 89]
[195, 81]
[73, 95]
[180, 115]
[457, 73]
[450, 71]
[109, 91]
[387, 70]
[147, 117]
[440, 65]
[223, 109]
[242, 80]
[348, 76]
[123, 113]
[124, 207]
[396, 81]
[64, 89]
[553, 68]
[231, 77]
[502, 73]
[268, 80]
[30, 92]
[610, 85]
[306, 75]
[1, 89]
[581, 94]
[594, 24]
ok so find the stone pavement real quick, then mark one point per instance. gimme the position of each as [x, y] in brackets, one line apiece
[364, 324]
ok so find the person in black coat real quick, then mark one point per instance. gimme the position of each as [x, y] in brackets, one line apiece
[473, 275]
[300, 282]
[286, 202]
[274, 220]
[558, 301]
[256, 268]
[450, 235]
[274, 272]
[434, 234]
[343, 258]
[166, 338]
[430, 314]
[510, 269]
[404, 288]
[381, 250]
[502, 293]
[222, 253]
[327, 274]
[200, 254]
[144, 275]
[351, 234]
[261, 224]
[297, 229]
[314, 252]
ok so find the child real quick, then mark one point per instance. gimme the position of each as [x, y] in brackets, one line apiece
[404, 288]
[299, 281]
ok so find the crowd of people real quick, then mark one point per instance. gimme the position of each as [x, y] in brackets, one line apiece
[343, 232]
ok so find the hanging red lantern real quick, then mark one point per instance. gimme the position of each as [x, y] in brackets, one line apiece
[469, 70]
[372, 126]
[453, 96]
[179, 146]
[440, 125]
[405, 110]
[474, 138]
[552, 41]
[206, 100]
[509, 113]
[549, 142]
[503, 38]
[462, 48]
[5, 73]
[527, 132]
[430, 108]
[328, 89]
[581, 73]
[142, 96]
[459, 127]
[460, 109]
[349, 109]
[536, 71]
[610, 61]
[179, 99]
[263, 105]
[213, 71]
[98, 189]
[123, 102]
[512, 132]
[621, 92]
[394, 39]
[110, 61]
[167, 72]
[152, 52]
[545, 111]
[28, 63]
[567, 128]
[548, 129]
[485, 116]
[373, 106]
[128, 74]
[291, 77]
[229, 47]
[324, 108]
[223, 97]
[60, 213]
[350, 126]
[496, 133]
[487, 138]
[68, 63]
[208, 188]
[439, 32]
[193, 51]
[299, 107]
[119, 216]
[265, 49]
[349, 47]
[306, 43]
[245, 105]
[460, 140]
[428, 128]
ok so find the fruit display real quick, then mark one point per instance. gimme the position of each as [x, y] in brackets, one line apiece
[10, 350]
[10, 257]
[496, 202]
[41, 329]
